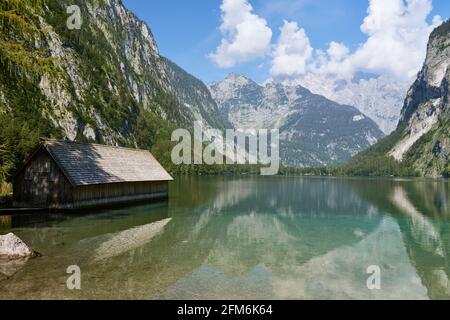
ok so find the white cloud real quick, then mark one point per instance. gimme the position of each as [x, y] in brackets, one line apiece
[397, 35]
[246, 36]
[337, 51]
[335, 61]
[292, 52]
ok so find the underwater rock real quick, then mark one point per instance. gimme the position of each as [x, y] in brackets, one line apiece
[8, 268]
[122, 242]
[12, 247]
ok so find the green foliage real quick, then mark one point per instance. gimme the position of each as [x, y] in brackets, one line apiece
[5, 194]
[370, 163]
[373, 167]
[441, 31]
[22, 126]
[110, 96]
[446, 173]
[154, 134]
[19, 32]
[122, 116]
[22, 63]
[187, 86]
[5, 189]
[146, 129]
[385, 145]
[20, 132]
[374, 161]
[6, 161]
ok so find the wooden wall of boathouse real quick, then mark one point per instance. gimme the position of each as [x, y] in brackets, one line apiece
[42, 184]
[118, 193]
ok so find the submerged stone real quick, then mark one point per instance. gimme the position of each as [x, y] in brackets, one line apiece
[12, 247]
[8, 268]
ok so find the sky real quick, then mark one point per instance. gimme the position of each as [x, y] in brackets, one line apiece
[286, 39]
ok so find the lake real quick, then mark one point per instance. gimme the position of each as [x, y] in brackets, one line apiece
[245, 238]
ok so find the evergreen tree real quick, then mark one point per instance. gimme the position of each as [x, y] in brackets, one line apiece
[22, 62]
[19, 31]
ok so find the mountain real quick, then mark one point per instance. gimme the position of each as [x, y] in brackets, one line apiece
[105, 82]
[105, 75]
[314, 131]
[421, 143]
[424, 129]
[379, 97]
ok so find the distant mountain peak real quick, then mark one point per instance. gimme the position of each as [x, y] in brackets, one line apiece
[314, 131]
[274, 84]
[379, 97]
[238, 79]
[269, 81]
[361, 75]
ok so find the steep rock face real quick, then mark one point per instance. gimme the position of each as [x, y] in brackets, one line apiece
[314, 131]
[425, 118]
[379, 97]
[107, 72]
[194, 95]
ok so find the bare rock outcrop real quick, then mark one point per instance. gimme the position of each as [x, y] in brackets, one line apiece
[12, 247]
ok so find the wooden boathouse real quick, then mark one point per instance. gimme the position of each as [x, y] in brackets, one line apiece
[67, 175]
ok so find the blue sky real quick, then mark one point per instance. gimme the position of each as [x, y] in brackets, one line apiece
[188, 31]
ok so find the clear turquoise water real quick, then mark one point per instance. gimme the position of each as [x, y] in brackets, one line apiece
[245, 238]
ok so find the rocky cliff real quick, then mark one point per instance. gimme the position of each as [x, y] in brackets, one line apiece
[379, 97]
[424, 129]
[314, 131]
[105, 76]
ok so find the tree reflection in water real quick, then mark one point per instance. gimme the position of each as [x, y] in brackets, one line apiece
[273, 237]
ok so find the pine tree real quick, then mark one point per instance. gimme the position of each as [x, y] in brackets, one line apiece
[447, 172]
[6, 162]
[23, 61]
[19, 33]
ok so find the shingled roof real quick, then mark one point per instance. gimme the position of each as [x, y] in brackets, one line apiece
[91, 164]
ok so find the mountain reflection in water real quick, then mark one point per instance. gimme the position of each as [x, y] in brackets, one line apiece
[241, 238]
